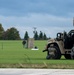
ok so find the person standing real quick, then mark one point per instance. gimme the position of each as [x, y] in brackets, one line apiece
[24, 42]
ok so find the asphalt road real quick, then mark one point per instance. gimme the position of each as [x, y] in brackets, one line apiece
[36, 71]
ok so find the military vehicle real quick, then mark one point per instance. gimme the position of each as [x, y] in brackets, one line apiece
[63, 44]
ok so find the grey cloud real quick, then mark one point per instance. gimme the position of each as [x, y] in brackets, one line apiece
[23, 7]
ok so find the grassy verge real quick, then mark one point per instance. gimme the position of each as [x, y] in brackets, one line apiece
[13, 55]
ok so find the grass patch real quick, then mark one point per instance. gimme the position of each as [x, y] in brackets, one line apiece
[12, 54]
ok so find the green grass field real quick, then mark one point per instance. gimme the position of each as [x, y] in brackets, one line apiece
[12, 54]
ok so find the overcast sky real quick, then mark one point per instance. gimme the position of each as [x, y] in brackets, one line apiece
[48, 16]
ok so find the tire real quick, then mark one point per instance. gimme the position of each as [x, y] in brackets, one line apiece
[67, 56]
[47, 57]
[57, 53]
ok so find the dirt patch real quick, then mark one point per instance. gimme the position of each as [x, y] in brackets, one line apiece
[37, 66]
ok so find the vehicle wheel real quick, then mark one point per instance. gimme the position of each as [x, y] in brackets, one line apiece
[47, 57]
[54, 52]
[67, 56]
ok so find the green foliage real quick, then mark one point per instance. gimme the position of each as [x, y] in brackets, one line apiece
[44, 37]
[1, 31]
[9, 34]
[26, 36]
[36, 36]
[13, 34]
[41, 35]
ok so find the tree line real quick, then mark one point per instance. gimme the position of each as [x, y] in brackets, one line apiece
[13, 34]
[9, 34]
[40, 36]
